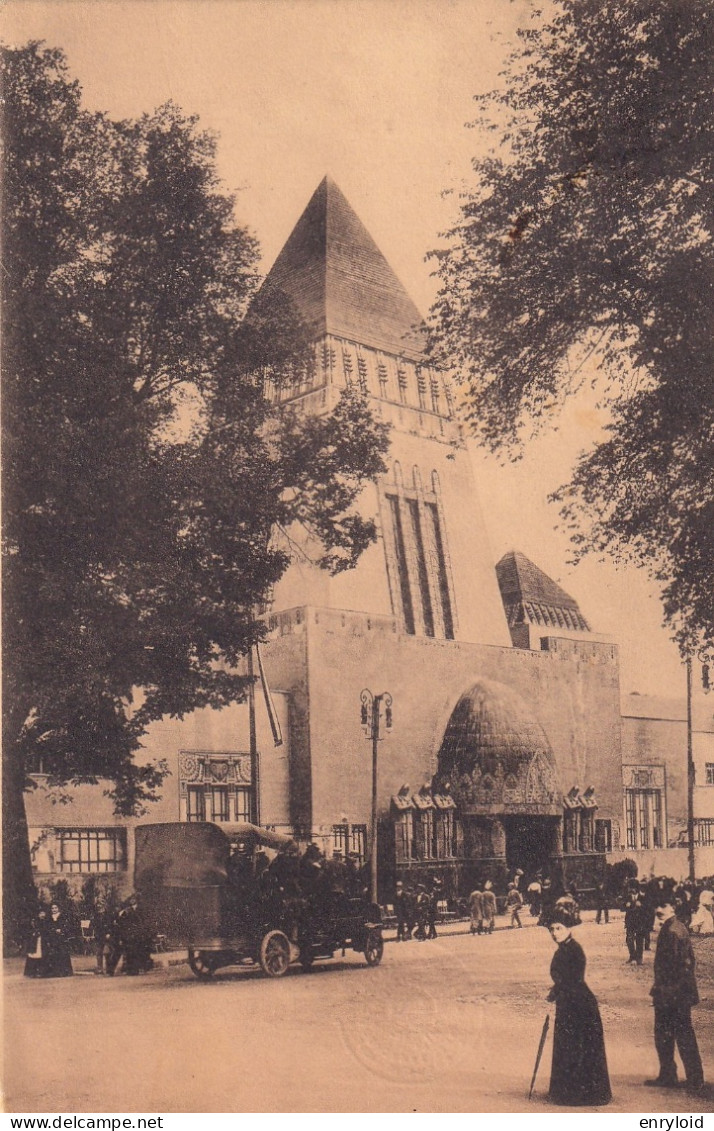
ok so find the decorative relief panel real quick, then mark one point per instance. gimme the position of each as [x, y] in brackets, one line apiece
[215, 769]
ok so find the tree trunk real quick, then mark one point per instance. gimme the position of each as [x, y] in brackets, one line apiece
[19, 894]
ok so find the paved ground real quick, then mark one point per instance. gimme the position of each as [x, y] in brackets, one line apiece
[450, 1025]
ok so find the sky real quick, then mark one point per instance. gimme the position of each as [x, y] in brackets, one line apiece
[377, 93]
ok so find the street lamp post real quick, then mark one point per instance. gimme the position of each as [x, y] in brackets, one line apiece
[371, 715]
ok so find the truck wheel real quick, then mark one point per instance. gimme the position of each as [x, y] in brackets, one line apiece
[274, 955]
[202, 963]
[374, 948]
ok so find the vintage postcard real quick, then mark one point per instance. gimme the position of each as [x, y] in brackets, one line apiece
[356, 443]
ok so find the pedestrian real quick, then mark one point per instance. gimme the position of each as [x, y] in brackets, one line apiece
[673, 994]
[634, 926]
[649, 902]
[400, 910]
[579, 1075]
[476, 911]
[422, 912]
[102, 928]
[35, 961]
[514, 903]
[547, 906]
[410, 911]
[602, 903]
[489, 908]
[433, 908]
[55, 935]
[534, 891]
[134, 939]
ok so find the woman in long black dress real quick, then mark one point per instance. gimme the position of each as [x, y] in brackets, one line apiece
[57, 962]
[579, 1074]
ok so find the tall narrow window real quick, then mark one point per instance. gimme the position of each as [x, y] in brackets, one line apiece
[402, 567]
[643, 812]
[403, 383]
[421, 388]
[382, 374]
[422, 574]
[362, 373]
[435, 394]
[196, 803]
[442, 576]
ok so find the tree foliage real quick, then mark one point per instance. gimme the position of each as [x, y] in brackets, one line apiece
[587, 240]
[144, 470]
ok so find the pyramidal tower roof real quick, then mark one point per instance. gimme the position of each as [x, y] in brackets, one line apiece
[530, 596]
[340, 282]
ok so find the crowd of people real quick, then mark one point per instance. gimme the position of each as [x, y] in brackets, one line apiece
[693, 905]
[416, 910]
[121, 940]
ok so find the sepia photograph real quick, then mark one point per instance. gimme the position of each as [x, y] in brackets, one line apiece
[357, 535]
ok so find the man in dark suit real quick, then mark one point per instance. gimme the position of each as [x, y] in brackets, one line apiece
[674, 993]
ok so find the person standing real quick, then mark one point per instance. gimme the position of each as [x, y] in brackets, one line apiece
[476, 911]
[673, 994]
[634, 926]
[422, 912]
[489, 908]
[602, 903]
[534, 891]
[400, 910]
[55, 935]
[35, 962]
[579, 1075]
[514, 902]
[433, 908]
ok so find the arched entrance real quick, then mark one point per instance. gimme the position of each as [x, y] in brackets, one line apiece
[496, 762]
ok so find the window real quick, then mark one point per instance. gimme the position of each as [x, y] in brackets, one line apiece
[218, 803]
[435, 393]
[432, 514]
[382, 374]
[92, 850]
[404, 836]
[341, 839]
[587, 823]
[709, 773]
[350, 839]
[362, 374]
[218, 797]
[444, 834]
[421, 388]
[424, 834]
[358, 841]
[643, 814]
[704, 835]
[403, 382]
[417, 563]
[603, 836]
[421, 571]
[571, 823]
[196, 797]
[402, 568]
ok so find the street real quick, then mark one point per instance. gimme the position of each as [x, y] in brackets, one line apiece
[450, 1025]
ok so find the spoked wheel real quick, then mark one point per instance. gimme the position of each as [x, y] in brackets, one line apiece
[374, 948]
[202, 963]
[275, 954]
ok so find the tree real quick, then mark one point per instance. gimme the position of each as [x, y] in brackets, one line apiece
[144, 470]
[588, 239]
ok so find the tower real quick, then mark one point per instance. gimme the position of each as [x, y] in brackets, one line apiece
[431, 567]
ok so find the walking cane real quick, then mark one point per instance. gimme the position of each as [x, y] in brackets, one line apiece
[539, 1054]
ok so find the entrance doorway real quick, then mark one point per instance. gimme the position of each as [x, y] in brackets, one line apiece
[531, 843]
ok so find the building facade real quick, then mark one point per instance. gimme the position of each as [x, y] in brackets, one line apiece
[506, 748]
